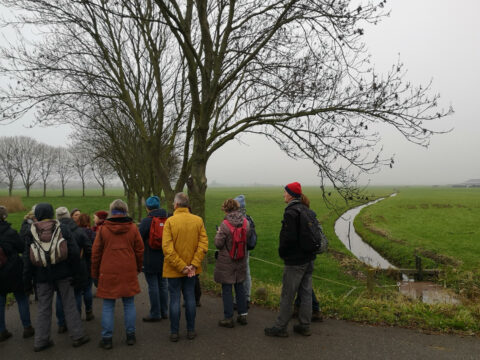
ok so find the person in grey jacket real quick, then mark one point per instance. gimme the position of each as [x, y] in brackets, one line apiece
[230, 272]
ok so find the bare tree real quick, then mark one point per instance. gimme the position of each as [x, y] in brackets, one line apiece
[26, 160]
[101, 171]
[63, 166]
[80, 164]
[7, 151]
[46, 161]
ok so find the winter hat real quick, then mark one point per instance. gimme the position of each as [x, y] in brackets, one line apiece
[241, 201]
[3, 213]
[153, 202]
[62, 213]
[294, 189]
[102, 215]
[43, 211]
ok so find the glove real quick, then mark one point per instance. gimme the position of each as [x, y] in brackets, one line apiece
[95, 282]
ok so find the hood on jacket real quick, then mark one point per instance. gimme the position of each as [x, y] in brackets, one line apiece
[235, 218]
[158, 213]
[118, 224]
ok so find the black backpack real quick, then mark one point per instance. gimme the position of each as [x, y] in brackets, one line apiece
[252, 239]
[312, 237]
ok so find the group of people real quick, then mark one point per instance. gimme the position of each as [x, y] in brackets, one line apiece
[62, 254]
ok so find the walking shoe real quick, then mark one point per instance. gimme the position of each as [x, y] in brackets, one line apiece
[62, 329]
[317, 316]
[49, 344]
[191, 335]
[106, 343]
[131, 339]
[302, 330]
[228, 323]
[28, 332]
[150, 319]
[89, 315]
[174, 337]
[242, 319]
[4, 335]
[79, 342]
[276, 331]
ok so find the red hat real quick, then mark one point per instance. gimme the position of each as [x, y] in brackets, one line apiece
[294, 189]
[102, 215]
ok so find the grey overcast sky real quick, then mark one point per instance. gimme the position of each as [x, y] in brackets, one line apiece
[436, 39]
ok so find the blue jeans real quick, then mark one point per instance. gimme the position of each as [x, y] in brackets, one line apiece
[23, 309]
[129, 316]
[186, 285]
[87, 297]
[228, 299]
[158, 293]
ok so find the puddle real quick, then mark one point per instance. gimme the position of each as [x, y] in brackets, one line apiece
[427, 292]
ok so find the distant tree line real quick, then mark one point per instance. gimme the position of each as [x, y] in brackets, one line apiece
[26, 160]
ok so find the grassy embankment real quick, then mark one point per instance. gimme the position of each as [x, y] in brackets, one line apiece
[339, 279]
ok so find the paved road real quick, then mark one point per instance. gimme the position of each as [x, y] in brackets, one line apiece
[331, 339]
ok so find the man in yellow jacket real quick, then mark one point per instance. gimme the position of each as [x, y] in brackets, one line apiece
[184, 244]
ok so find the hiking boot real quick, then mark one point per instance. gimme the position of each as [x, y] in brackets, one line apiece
[4, 335]
[276, 331]
[242, 319]
[79, 342]
[191, 335]
[302, 330]
[106, 343]
[62, 329]
[89, 315]
[150, 319]
[228, 323]
[317, 316]
[174, 337]
[28, 332]
[49, 344]
[131, 339]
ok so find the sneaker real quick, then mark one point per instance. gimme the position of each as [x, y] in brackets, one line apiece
[150, 319]
[79, 342]
[49, 344]
[191, 335]
[317, 316]
[131, 339]
[174, 337]
[89, 315]
[302, 330]
[62, 329]
[106, 343]
[4, 335]
[28, 332]
[242, 319]
[276, 331]
[228, 323]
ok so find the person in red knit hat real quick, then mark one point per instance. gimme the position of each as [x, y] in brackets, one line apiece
[297, 273]
[99, 218]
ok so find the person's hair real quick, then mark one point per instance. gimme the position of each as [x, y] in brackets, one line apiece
[119, 205]
[230, 205]
[74, 211]
[305, 200]
[181, 199]
[84, 220]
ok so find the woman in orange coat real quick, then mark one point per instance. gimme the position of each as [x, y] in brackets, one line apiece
[117, 257]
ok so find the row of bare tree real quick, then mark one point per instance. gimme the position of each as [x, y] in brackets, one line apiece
[33, 162]
[155, 87]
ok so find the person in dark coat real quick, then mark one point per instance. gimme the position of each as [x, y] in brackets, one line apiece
[62, 276]
[153, 264]
[11, 277]
[231, 272]
[85, 288]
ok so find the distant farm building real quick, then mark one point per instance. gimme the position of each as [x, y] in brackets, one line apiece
[468, 183]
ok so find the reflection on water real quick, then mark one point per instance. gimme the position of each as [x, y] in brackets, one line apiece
[427, 292]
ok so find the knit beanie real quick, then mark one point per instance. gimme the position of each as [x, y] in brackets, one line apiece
[153, 202]
[62, 213]
[102, 215]
[241, 201]
[294, 189]
[3, 213]
[43, 211]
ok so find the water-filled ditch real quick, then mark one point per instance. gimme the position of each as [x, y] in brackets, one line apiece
[427, 292]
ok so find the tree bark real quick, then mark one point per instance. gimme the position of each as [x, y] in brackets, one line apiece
[27, 187]
[103, 190]
[44, 189]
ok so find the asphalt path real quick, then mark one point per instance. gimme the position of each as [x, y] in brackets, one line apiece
[331, 339]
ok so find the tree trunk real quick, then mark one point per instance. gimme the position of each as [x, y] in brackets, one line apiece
[10, 188]
[44, 189]
[27, 187]
[63, 189]
[83, 188]
[131, 203]
[139, 208]
[103, 189]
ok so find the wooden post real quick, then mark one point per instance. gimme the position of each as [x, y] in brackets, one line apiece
[418, 265]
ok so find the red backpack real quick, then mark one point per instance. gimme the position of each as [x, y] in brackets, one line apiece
[239, 240]
[156, 232]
